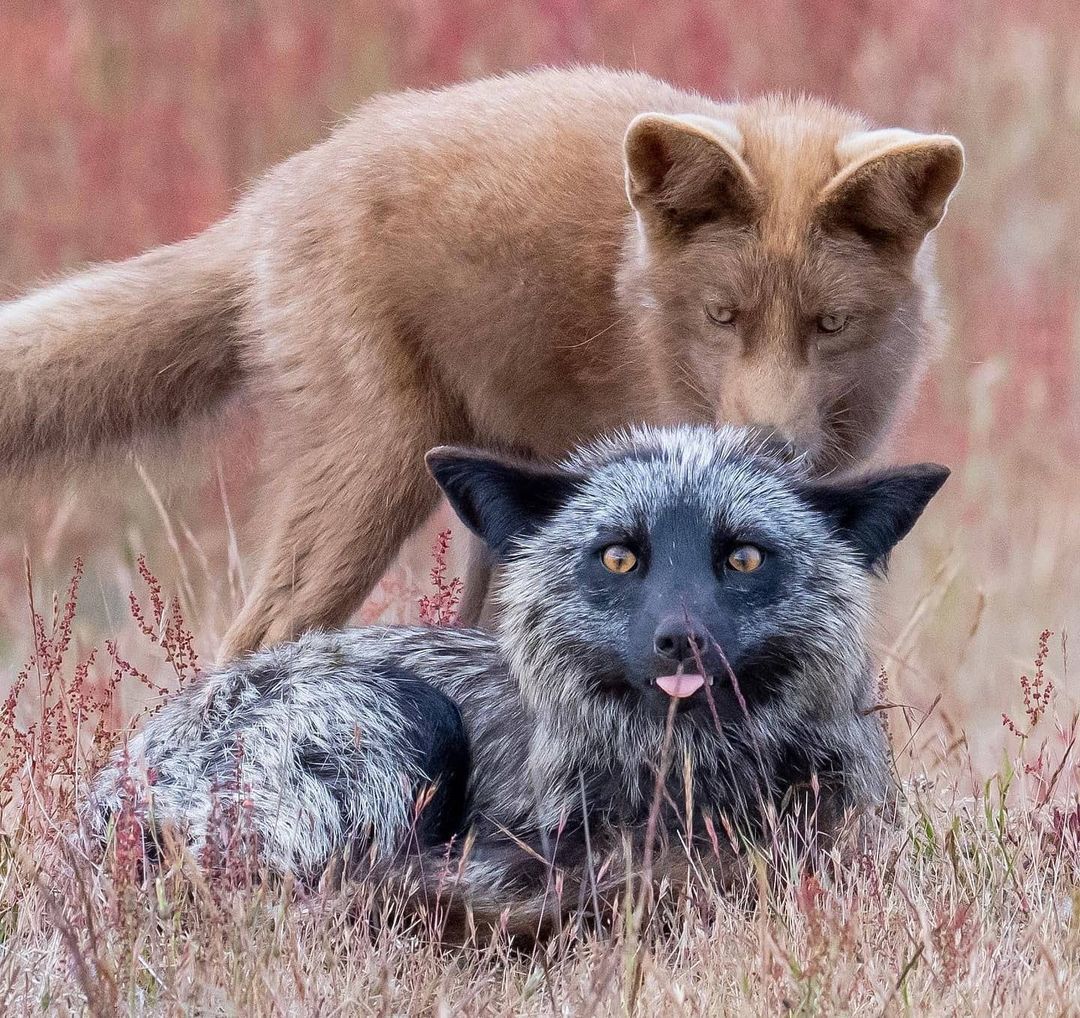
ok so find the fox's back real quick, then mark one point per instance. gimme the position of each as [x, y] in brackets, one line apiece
[481, 221]
[491, 220]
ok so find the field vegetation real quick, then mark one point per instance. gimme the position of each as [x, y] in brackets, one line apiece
[123, 125]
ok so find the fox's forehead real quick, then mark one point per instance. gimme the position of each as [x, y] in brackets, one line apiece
[728, 479]
[685, 449]
[791, 146]
[734, 497]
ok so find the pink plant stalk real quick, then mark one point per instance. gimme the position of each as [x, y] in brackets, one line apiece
[441, 608]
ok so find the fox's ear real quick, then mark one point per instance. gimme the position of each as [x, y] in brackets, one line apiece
[874, 513]
[499, 499]
[894, 186]
[682, 171]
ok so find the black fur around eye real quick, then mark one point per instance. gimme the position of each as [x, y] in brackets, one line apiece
[829, 325]
[720, 314]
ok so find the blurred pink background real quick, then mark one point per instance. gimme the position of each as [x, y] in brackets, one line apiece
[126, 124]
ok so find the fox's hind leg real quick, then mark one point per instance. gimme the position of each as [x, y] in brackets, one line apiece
[349, 487]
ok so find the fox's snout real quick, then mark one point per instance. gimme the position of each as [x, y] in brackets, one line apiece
[785, 413]
[781, 443]
[683, 644]
[679, 641]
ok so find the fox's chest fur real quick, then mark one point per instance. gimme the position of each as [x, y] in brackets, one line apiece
[614, 767]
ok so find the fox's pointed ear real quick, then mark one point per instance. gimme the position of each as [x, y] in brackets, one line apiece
[682, 171]
[874, 513]
[894, 185]
[499, 499]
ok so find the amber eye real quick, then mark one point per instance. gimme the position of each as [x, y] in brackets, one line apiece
[617, 558]
[719, 314]
[745, 559]
[830, 324]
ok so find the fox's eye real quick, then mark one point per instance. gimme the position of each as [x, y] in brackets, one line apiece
[720, 314]
[746, 558]
[830, 324]
[617, 558]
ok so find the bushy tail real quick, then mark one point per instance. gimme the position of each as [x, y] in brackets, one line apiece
[120, 352]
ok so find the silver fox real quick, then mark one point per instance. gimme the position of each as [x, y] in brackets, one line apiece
[682, 635]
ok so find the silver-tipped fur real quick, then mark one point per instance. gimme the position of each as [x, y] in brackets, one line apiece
[545, 738]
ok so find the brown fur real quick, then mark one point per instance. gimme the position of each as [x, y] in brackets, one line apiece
[464, 266]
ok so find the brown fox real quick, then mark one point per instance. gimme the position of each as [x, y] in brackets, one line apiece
[522, 263]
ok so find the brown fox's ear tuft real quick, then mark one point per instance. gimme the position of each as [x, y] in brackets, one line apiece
[682, 171]
[894, 186]
[499, 499]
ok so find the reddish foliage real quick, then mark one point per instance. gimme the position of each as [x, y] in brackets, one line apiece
[1037, 691]
[231, 850]
[1064, 829]
[440, 608]
[42, 754]
[76, 719]
[168, 631]
[128, 854]
[952, 939]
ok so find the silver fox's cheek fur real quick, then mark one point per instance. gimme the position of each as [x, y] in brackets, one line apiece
[739, 482]
[630, 480]
[319, 736]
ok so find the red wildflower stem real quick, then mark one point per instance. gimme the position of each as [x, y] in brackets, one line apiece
[441, 608]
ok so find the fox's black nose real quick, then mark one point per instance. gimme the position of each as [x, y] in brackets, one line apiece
[680, 641]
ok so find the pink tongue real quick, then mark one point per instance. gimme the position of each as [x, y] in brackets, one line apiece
[684, 684]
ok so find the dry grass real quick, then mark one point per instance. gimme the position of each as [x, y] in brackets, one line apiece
[968, 906]
[121, 128]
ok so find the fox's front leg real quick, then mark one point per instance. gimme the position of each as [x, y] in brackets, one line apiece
[349, 487]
